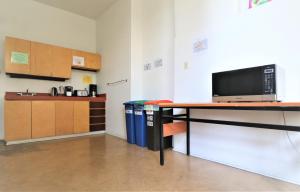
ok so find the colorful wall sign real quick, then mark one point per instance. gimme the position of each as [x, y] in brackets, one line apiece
[78, 61]
[255, 3]
[19, 58]
[87, 79]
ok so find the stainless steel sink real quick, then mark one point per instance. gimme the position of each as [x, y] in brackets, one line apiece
[27, 93]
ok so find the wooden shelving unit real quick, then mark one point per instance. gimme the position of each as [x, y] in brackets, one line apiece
[97, 116]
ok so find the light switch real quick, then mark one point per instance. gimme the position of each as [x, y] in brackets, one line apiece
[185, 65]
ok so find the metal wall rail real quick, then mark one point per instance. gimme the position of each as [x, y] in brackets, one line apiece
[117, 82]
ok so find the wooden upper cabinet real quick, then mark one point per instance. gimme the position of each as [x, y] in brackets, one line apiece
[51, 61]
[42, 59]
[81, 116]
[62, 61]
[64, 117]
[43, 119]
[92, 61]
[17, 56]
[17, 120]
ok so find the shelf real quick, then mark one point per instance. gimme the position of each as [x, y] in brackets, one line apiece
[97, 116]
[98, 124]
[97, 108]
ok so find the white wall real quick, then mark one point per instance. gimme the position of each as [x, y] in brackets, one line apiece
[34, 21]
[153, 39]
[136, 50]
[129, 34]
[113, 42]
[237, 38]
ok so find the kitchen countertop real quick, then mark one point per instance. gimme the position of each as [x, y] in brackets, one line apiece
[12, 96]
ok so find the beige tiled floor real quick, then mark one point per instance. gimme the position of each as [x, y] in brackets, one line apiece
[105, 163]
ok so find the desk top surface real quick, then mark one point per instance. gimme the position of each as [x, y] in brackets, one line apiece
[232, 105]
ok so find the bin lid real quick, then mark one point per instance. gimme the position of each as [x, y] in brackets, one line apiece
[128, 103]
[156, 102]
[139, 102]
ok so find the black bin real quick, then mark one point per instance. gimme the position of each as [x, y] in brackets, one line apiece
[153, 132]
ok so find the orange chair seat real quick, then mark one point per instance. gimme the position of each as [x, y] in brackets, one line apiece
[174, 128]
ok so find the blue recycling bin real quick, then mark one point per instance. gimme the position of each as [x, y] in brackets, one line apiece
[130, 125]
[140, 119]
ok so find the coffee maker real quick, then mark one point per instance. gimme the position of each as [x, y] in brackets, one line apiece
[68, 91]
[93, 90]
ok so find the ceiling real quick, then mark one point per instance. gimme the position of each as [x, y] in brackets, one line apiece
[87, 8]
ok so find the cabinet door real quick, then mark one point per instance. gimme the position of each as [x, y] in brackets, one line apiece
[93, 61]
[18, 48]
[81, 116]
[62, 60]
[42, 59]
[64, 117]
[43, 119]
[17, 120]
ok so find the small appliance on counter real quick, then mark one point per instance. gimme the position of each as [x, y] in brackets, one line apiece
[54, 91]
[93, 90]
[61, 90]
[68, 91]
[81, 93]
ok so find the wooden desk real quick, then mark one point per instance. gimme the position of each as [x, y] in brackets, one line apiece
[264, 106]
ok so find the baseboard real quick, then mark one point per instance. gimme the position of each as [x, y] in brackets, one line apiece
[2, 142]
[54, 138]
[116, 135]
[238, 167]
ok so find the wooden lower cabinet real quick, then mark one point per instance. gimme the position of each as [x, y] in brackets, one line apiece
[17, 120]
[43, 119]
[64, 117]
[38, 119]
[81, 116]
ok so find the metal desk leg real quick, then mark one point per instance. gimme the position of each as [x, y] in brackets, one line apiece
[161, 140]
[188, 131]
